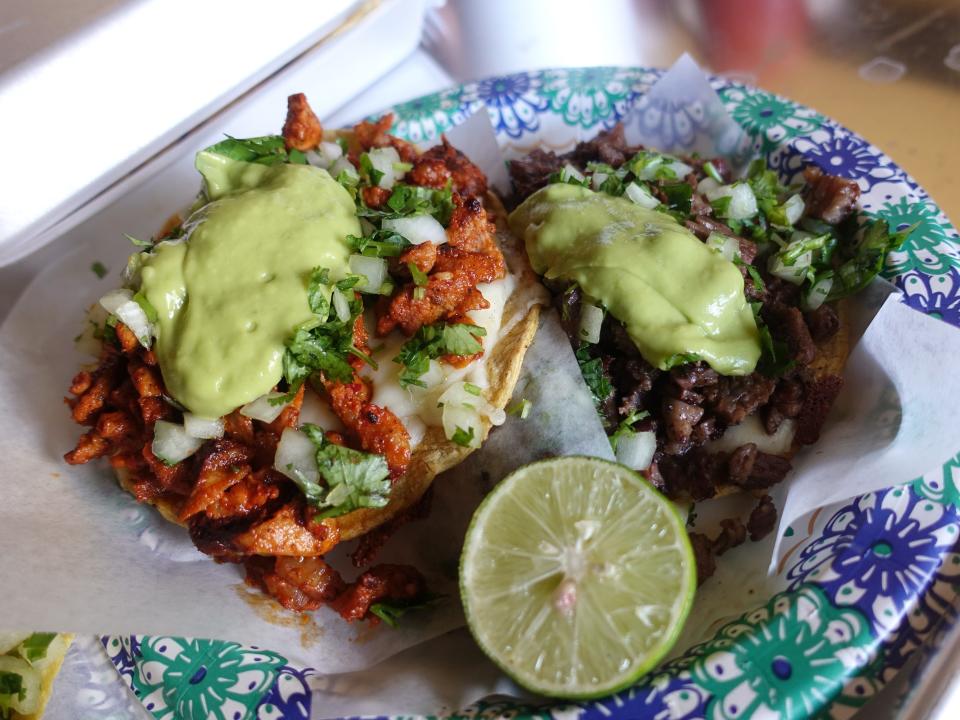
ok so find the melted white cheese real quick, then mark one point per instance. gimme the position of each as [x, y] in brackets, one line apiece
[417, 407]
[751, 431]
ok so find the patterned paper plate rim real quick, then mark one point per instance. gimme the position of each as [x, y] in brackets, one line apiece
[866, 583]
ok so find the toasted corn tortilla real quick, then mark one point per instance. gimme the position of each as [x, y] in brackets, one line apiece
[435, 453]
[49, 667]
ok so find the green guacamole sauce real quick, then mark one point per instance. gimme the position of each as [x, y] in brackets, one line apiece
[229, 296]
[673, 293]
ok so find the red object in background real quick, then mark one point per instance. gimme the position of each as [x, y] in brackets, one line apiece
[759, 35]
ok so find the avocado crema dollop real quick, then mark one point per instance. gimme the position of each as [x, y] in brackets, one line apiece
[674, 295]
[229, 296]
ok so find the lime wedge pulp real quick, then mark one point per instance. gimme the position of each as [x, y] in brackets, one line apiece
[576, 576]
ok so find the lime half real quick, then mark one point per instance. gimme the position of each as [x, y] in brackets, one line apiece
[576, 576]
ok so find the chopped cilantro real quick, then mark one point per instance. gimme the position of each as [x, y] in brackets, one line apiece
[11, 685]
[148, 309]
[323, 344]
[368, 171]
[710, 170]
[99, 269]
[391, 612]
[266, 150]
[757, 280]
[680, 359]
[625, 428]
[433, 341]
[463, 437]
[353, 479]
[316, 296]
[138, 242]
[775, 357]
[594, 375]
[414, 200]
[678, 196]
[35, 647]
[380, 243]
[521, 408]
[865, 260]
[419, 276]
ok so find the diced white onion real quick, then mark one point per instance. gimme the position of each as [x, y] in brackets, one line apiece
[726, 245]
[202, 427]
[171, 443]
[341, 305]
[680, 169]
[641, 196]
[121, 303]
[597, 179]
[591, 319]
[569, 171]
[27, 701]
[708, 186]
[343, 165]
[326, 154]
[456, 417]
[418, 229]
[464, 409]
[367, 227]
[317, 411]
[374, 269]
[261, 409]
[131, 273]
[795, 273]
[793, 208]
[296, 453]
[636, 450]
[817, 294]
[385, 160]
[457, 394]
[743, 203]
[649, 171]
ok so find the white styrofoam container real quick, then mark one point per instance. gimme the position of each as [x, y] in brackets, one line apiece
[91, 116]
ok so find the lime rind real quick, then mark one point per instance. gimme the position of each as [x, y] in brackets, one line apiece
[512, 587]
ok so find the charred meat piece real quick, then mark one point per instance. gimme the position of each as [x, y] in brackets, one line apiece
[763, 519]
[468, 180]
[732, 399]
[395, 583]
[299, 584]
[302, 130]
[531, 172]
[832, 199]
[787, 324]
[823, 322]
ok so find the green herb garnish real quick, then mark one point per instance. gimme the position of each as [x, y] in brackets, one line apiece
[432, 342]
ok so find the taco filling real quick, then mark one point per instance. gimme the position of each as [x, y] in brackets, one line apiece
[705, 310]
[292, 361]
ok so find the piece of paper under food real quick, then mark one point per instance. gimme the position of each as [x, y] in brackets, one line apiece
[894, 419]
[682, 114]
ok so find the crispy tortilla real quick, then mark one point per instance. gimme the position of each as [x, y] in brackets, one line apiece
[49, 666]
[435, 453]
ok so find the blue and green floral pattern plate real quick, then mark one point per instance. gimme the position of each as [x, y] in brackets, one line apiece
[863, 587]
